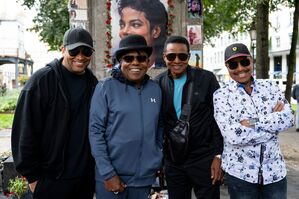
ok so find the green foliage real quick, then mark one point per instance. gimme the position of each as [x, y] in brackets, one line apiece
[52, 20]
[9, 101]
[18, 186]
[3, 90]
[6, 120]
[224, 15]
[23, 79]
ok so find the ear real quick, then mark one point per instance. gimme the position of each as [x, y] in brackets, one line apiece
[156, 32]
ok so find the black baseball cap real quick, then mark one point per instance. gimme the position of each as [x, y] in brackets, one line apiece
[236, 50]
[76, 37]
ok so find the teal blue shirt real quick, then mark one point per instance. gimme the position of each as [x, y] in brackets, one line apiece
[178, 93]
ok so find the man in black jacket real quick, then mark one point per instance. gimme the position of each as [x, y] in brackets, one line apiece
[50, 143]
[201, 167]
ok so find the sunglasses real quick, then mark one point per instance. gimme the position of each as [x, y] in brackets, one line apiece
[87, 52]
[181, 56]
[234, 64]
[131, 58]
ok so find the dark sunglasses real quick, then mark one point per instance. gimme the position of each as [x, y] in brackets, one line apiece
[130, 58]
[87, 52]
[181, 56]
[234, 64]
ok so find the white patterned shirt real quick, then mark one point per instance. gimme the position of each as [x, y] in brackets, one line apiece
[242, 145]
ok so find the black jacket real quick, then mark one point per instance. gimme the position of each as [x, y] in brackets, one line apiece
[41, 123]
[205, 137]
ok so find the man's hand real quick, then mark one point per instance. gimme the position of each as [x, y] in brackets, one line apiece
[32, 186]
[278, 107]
[245, 123]
[114, 184]
[216, 171]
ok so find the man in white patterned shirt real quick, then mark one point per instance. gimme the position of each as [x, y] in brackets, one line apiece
[250, 113]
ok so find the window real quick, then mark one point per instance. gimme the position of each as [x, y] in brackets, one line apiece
[277, 41]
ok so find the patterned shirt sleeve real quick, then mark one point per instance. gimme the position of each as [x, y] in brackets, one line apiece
[275, 122]
[229, 124]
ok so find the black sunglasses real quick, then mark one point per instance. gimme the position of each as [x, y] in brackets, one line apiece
[87, 52]
[181, 56]
[130, 58]
[234, 64]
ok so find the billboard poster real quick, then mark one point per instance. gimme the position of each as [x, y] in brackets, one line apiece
[78, 13]
[195, 58]
[194, 34]
[145, 17]
[194, 8]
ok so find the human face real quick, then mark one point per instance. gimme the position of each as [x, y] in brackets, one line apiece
[241, 74]
[77, 63]
[134, 70]
[177, 67]
[195, 6]
[135, 22]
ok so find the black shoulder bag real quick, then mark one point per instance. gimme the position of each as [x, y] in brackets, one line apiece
[178, 137]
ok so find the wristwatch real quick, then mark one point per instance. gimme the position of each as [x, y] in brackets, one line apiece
[218, 156]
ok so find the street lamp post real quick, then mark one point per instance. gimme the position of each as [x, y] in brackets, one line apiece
[252, 33]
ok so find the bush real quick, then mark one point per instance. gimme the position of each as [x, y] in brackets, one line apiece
[9, 101]
[23, 79]
[18, 186]
[3, 89]
[6, 120]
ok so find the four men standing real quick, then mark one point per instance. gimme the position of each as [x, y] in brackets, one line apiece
[50, 142]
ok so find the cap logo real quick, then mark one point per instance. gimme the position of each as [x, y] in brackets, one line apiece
[235, 49]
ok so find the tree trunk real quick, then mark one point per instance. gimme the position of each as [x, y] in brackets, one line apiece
[292, 57]
[262, 30]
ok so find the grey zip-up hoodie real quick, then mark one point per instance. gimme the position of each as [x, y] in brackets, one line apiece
[124, 131]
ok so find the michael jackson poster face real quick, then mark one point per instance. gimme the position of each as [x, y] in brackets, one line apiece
[194, 8]
[144, 17]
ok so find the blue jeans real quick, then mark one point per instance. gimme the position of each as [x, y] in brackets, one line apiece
[240, 189]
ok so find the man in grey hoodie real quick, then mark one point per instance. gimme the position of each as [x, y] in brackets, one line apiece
[124, 132]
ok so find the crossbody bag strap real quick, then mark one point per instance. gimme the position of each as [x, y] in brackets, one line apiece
[186, 111]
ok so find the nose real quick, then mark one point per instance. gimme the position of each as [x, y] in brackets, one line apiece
[80, 55]
[124, 32]
[135, 61]
[239, 67]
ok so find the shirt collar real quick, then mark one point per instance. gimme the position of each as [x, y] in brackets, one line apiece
[234, 85]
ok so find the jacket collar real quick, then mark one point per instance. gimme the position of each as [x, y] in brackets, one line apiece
[189, 72]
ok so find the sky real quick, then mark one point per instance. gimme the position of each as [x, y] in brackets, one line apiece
[37, 49]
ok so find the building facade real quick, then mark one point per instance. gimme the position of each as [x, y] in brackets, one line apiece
[280, 34]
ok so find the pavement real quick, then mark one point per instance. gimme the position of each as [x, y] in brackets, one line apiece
[289, 143]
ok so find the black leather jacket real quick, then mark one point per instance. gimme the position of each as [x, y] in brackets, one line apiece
[205, 137]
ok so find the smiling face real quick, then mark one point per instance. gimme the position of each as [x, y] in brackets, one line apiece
[135, 22]
[134, 70]
[75, 64]
[241, 74]
[177, 67]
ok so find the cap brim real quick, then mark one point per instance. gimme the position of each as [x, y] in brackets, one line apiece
[237, 55]
[75, 45]
[120, 52]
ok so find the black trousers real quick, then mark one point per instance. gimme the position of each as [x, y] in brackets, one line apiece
[79, 188]
[193, 174]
